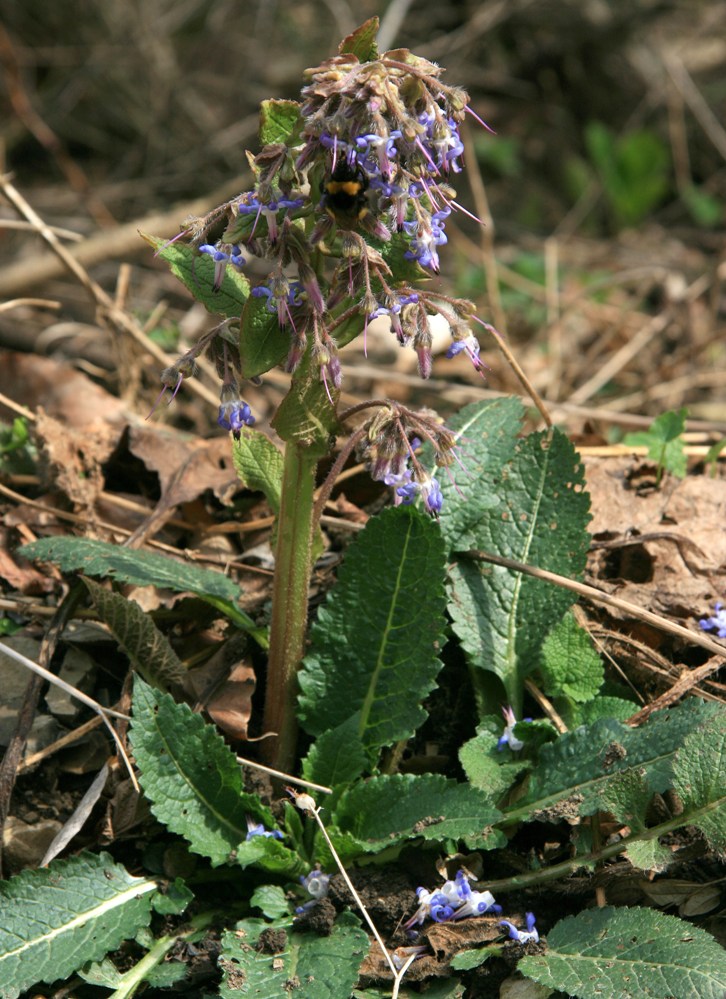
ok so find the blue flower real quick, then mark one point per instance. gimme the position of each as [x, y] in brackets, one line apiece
[316, 884]
[268, 209]
[470, 346]
[454, 900]
[234, 412]
[715, 623]
[508, 738]
[522, 936]
[473, 903]
[257, 829]
[223, 254]
[427, 238]
[428, 489]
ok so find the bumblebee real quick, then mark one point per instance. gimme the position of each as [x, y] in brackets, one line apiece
[344, 194]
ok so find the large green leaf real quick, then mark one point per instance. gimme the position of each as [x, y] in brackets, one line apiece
[126, 565]
[374, 646]
[149, 651]
[577, 773]
[55, 919]
[487, 434]
[383, 811]
[196, 271]
[699, 778]
[321, 967]
[194, 784]
[502, 617]
[629, 953]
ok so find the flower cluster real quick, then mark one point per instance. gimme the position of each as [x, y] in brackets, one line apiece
[389, 448]
[367, 162]
[717, 622]
[454, 900]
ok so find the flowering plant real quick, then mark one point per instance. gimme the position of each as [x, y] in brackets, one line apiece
[349, 211]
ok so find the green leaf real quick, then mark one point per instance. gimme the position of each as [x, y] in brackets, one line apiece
[126, 565]
[196, 272]
[600, 707]
[55, 919]
[280, 121]
[474, 957]
[193, 782]
[373, 648]
[386, 810]
[573, 774]
[323, 967]
[259, 464]
[487, 432]
[630, 953]
[570, 666]
[663, 438]
[362, 41]
[502, 617]
[263, 344]
[486, 768]
[337, 756]
[699, 779]
[148, 650]
[271, 900]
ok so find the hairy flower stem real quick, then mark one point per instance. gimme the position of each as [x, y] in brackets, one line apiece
[289, 605]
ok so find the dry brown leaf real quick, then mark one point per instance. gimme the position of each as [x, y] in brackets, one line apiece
[224, 687]
[21, 575]
[64, 393]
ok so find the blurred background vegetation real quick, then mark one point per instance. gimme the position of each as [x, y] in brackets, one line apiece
[603, 190]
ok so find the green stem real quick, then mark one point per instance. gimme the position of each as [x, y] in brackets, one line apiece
[140, 971]
[293, 559]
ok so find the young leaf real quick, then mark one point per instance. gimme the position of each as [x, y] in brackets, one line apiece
[280, 121]
[259, 464]
[484, 767]
[386, 810]
[337, 756]
[55, 919]
[149, 651]
[575, 771]
[326, 967]
[196, 272]
[629, 953]
[502, 617]
[570, 666]
[126, 565]
[664, 442]
[362, 42]
[194, 784]
[373, 649]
